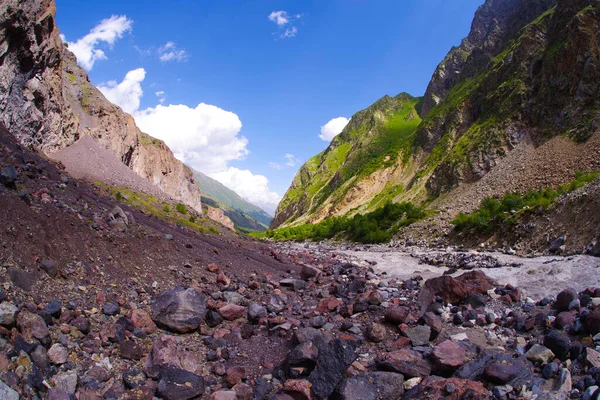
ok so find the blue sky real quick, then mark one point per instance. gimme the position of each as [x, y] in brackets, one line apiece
[269, 74]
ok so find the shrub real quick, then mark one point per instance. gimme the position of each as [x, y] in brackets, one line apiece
[166, 208]
[181, 209]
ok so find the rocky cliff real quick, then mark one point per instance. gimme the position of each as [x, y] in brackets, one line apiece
[528, 72]
[48, 102]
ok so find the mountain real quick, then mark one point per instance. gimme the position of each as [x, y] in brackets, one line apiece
[48, 103]
[503, 107]
[242, 213]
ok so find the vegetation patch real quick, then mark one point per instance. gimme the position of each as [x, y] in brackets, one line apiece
[375, 227]
[494, 214]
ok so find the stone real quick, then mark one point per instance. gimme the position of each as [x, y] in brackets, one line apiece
[501, 373]
[134, 378]
[23, 279]
[389, 385]
[223, 279]
[307, 272]
[178, 384]
[539, 354]
[57, 394]
[556, 244]
[58, 354]
[564, 319]
[163, 352]
[448, 288]
[356, 388]
[53, 308]
[179, 310]
[256, 311]
[232, 312]
[434, 322]
[50, 268]
[396, 315]
[447, 356]
[130, 350]
[476, 369]
[277, 303]
[8, 314]
[7, 393]
[233, 297]
[82, 324]
[235, 375]
[66, 381]
[476, 300]
[564, 298]
[304, 355]
[329, 304]
[224, 395]
[9, 176]
[407, 362]
[419, 335]
[332, 362]
[317, 322]
[592, 322]
[298, 388]
[433, 388]
[213, 318]
[141, 319]
[39, 357]
[592, 357]
[33, 327]
[559, 344]
[110, 308]
[376, 333]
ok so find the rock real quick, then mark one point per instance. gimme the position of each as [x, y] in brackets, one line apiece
[550, 370]
[110, 309]
[224, 395]
[332, 362]
[277, 303]
[433, 388]
[329, 304]
[163, 352]
[118, 213]
[389, 385]
[49, 267]
[307, 272]
[559, 344]
[304, 355]
[419, 335]
[539, 354]
[447, 356]
[134, 378]
[178, 384]
[213, 318]
[232, 312]
[235, 375]
[23, 279]
[179, 310]
[53, 308]
[592, 357]
[33, 327]
[82, 324]
[501, 373]
[233, 297]
[39, 357]
[564, 298]
[448, 288]
[356, 388]
[57, 354]
[8, 314]
[396, 315]
[223, 279]
[555, 245]
[317, 322]
[476, 370]
[9, 176]
[407, 362]
[434, 322]
[298, 388]
[130, 350]
[6, 393]
[58, 394]
[142, 320]
[592, 322]
[564, 319]
[66, 381]
[376, 333]
[476, 300]
[256, 311]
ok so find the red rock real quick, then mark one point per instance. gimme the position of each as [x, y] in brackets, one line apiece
[33, 327]
[164, 351]
[222, 278]
[405, 361]
[402, 343]
[142, 320]
[396, 315]
[224, 395]
[232, 311]
[564, 318]
[212, 268]
[592, 322]
[299, 388]
[433, 388]
[235, 375]
[100, 298]
[448, 356]
[329, 304]
[476, 282]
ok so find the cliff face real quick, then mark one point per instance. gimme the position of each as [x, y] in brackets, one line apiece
[47, 101]
[528, 72]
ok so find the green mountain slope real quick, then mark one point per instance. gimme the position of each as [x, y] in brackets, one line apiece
[528, 71]
[242, 213]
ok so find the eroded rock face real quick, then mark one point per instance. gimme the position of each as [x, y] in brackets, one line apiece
[47, 101]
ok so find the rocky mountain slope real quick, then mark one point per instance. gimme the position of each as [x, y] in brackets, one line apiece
[243, 214]
[48, 103]
[527, 73]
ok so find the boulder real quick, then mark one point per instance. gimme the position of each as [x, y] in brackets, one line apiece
[179, 310]
[356, 388]
[559, 344]
[434, 388]
[232, 312]
[419, 335]
[178, 384]
[396, 315]
[447, 356]
[332, 362]
[565, 298]
[539, 354]
[407, 362]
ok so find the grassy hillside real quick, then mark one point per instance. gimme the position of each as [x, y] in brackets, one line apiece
[245, 216]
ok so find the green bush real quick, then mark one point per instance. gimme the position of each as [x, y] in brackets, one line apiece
[375, 227]
[166, 208]
[181, 209]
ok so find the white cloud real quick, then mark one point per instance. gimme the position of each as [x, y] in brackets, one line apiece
[162, 96]
[253, 188]
[333, 128]
[284, 22]
[128, 93]
[107, 31]
[275, 165]
[279, 17]
[291, 160]
[170, 52]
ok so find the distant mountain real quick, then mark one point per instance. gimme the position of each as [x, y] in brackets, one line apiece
[243, 214]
